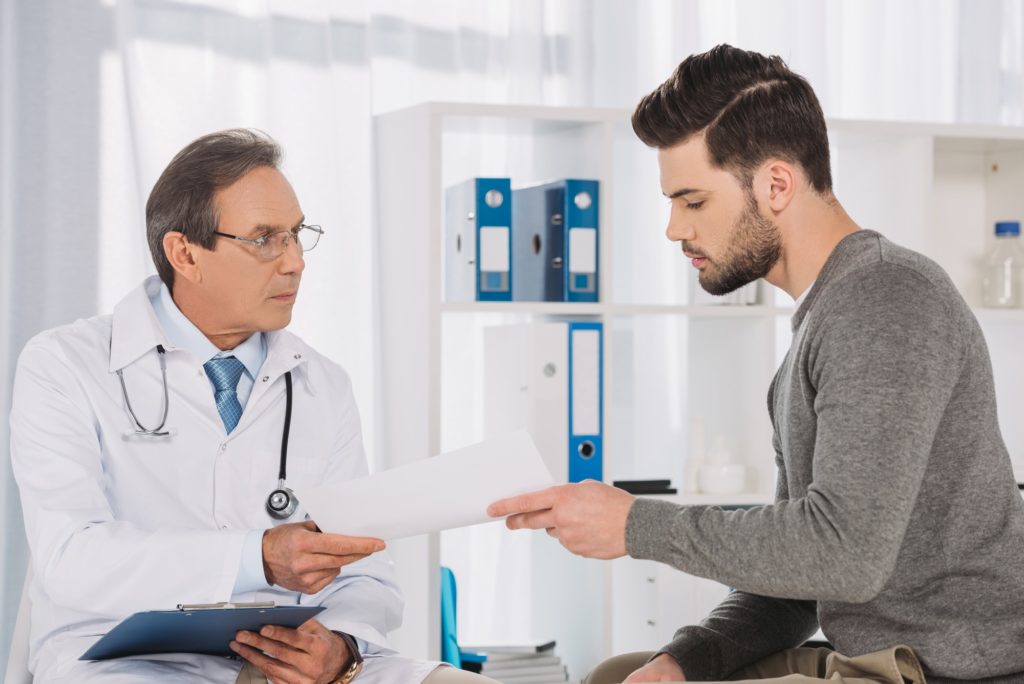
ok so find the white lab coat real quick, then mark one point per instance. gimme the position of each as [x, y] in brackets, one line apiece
[119, 523]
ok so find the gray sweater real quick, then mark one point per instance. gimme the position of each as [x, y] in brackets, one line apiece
[897, 519]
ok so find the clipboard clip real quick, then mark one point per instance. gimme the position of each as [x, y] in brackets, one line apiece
[223, 605]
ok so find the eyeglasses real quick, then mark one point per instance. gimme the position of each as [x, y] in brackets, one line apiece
[273, 245]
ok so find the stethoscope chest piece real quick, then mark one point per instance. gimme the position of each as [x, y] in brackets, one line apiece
[282, 502]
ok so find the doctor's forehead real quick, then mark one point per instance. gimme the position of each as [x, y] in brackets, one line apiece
[262, 198]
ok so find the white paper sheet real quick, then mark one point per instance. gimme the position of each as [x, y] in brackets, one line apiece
[439, 493]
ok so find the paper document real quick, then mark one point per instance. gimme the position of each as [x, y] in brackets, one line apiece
[439, 493]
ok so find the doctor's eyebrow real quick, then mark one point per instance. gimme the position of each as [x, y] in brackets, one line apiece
[267, 229]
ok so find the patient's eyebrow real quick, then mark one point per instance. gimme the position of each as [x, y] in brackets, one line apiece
[680, 193]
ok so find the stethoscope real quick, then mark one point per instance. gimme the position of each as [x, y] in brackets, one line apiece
[282, 502]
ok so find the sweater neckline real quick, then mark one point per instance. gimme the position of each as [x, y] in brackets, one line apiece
[835, 259]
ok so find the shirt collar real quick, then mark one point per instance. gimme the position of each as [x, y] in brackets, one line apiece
[183, 334]
[801, 298]
[136, 330]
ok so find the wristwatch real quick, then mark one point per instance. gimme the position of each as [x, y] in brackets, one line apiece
[347, 674]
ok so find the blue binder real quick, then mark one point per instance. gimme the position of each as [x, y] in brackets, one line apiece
[548, 378]
[478, 247]
[586, 401]
[555, 241]
[207, 631]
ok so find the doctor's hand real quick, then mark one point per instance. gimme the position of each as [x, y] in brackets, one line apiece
[588, 518]
[664, 668]
[299, 558]
[311, 653]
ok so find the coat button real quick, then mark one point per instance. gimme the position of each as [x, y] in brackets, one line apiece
[298, 356]
[265, 378]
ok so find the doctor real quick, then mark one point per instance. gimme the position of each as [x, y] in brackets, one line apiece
[156, 449]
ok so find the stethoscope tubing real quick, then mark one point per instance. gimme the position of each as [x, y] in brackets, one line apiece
[291, 502]
[142, 430]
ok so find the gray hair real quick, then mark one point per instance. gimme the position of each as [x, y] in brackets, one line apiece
[182, 199]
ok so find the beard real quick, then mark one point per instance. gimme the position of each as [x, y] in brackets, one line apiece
[754, 248]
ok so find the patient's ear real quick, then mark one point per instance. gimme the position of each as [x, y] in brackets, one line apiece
[775, 184]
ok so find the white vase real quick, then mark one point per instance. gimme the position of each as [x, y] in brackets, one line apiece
[725, 478]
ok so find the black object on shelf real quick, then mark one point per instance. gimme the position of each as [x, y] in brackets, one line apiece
[645, 486]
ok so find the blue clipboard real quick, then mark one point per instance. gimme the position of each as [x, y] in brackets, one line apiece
[206, 630]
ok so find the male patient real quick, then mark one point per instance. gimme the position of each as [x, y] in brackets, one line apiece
[897, 524]
[146, 444]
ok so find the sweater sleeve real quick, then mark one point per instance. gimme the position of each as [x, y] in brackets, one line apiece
[741, 630]
[745, 627]
[882, 369]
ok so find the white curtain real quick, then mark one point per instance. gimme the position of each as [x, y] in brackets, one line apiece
[98, 95]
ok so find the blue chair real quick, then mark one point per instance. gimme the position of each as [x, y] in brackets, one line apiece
[449, 636]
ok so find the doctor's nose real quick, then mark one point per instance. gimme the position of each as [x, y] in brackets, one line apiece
[292, 260]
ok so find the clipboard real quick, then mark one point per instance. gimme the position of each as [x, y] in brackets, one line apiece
[204, 628]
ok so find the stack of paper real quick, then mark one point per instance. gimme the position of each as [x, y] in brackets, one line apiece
[517, 663]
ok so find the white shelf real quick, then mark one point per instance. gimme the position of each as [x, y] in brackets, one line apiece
[742, 499]
[527, 308]
[935, 188]
[573, 309]
[986, 315]
[948, 137]
[700, 311]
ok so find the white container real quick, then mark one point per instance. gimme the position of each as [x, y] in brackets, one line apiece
[1004, 269]
[720, 473]
[730, 478]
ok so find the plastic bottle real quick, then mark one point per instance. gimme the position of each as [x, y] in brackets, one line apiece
[1004, 269]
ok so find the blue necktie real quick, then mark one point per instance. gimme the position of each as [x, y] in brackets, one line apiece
[224, 372]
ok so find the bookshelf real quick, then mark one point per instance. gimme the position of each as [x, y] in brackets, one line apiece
[668, 361]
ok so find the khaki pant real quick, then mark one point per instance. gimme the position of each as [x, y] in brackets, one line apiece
[896, 665]
[442, 675]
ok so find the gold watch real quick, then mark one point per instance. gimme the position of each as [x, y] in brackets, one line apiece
[347, 674]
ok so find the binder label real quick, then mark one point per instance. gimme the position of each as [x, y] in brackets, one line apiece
[494, 250]
[582, 250]
[586, 378]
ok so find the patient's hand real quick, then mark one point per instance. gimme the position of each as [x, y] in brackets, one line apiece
[297, 557]
[588, 518]
[664, 668]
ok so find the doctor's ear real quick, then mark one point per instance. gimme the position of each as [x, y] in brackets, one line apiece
[181, 253]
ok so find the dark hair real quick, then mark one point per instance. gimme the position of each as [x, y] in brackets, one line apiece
[750, 108]
[182, 198]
